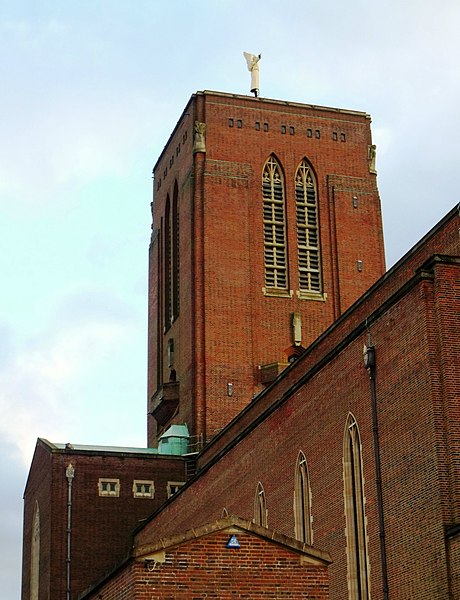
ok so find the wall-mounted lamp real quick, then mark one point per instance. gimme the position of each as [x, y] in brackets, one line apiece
[369, 357]
[229, 389]
[355, 201]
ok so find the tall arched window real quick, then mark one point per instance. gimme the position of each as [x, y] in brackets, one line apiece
[35, 555]
[260, 507]
[355, 517]
[302, 501]
[175, 252]
[168, 266]
[308, 249]
[274, 211]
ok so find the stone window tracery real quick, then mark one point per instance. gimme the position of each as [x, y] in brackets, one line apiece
[308, 245]
[355, 516]
[274, 218]
[302, 501]
[143, 488]
[109, 487]
[260, 507]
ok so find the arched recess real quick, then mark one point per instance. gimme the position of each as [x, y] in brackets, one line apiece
[307, 222]
[260, 507]
[175, 252]
[167, 267]
[274, 218]
[35, 554]
[302, 501]
[355, 516]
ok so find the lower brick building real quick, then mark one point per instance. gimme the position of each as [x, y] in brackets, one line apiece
[81, 504]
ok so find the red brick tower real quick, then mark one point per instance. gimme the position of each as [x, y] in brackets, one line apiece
[266, 228]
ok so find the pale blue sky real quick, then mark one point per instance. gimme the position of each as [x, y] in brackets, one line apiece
[90, 91]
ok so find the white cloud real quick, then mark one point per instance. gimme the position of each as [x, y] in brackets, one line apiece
[69, 144]
[26, 29]
[88, 95]
[382, 137]
[37, 381]
[13, 476]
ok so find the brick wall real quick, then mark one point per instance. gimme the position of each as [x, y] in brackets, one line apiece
[38, 489]
[206, 568]
[413, 323]
[101, 526]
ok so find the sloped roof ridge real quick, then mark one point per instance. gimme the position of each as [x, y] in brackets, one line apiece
[233, 521]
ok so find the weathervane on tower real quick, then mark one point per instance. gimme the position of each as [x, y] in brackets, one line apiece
[252, 61]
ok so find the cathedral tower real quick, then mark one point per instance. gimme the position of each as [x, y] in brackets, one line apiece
[266, 228]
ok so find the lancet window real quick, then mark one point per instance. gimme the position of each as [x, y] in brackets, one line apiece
[35, 555]
[274, 213]
[308, 248]
[302, 501]
[167, 266]
[171, 259]
[175, 253]
[260, 507]
[355, 517]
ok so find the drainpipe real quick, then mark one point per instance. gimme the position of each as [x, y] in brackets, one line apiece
[69, 473]
[370, 363]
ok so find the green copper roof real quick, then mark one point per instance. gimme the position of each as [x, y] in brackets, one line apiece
[180, 431]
